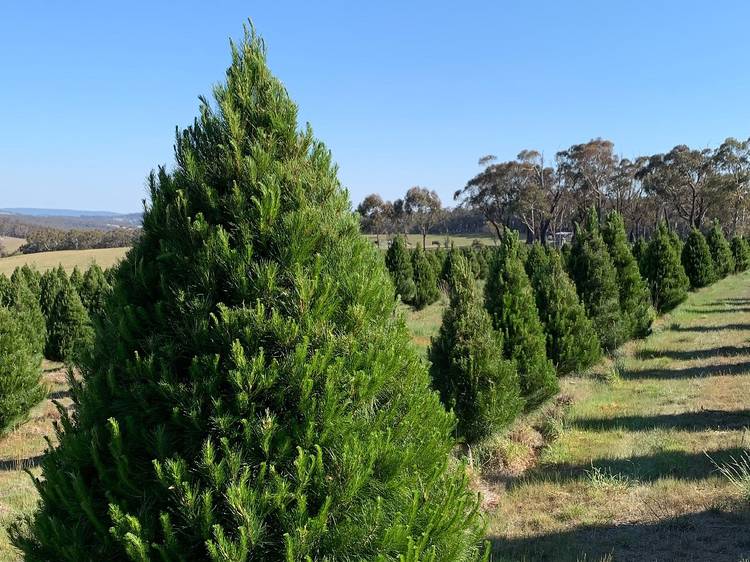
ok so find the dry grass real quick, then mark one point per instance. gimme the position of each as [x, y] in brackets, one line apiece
[22, 449]
[10, 245]
[69, 259]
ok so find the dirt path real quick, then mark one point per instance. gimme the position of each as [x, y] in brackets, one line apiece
[632, 475]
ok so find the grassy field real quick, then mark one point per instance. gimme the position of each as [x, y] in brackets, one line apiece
[434, 240]
[10, 245]
[105, 257]
[620, 467]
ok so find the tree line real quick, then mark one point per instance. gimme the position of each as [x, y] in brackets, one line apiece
[546, 312]
[685, 187]
[45, 239]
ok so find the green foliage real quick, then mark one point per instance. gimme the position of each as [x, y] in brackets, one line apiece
[425, 283]
[720, 251]
[472, 259]
[76, 279]
[17, 296]
[468, 368]
[399, 264]
[436, 258]
[51, 282]
[94, 290]
[511, 303]
[639, 250]
[572, 343]
[664, 272]
[697, 260]
[20, 371]
[69, 331]
[740, 253]
[591, 268]
[252, 393]
[635, 297]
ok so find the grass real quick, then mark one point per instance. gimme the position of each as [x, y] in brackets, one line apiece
[22, 449]
[633, 471]
[69, 259]
[10, 245]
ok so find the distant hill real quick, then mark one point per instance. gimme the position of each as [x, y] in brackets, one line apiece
[34, 212]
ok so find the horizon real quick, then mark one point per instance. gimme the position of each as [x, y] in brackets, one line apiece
[418, 95]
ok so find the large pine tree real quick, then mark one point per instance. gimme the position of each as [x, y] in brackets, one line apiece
[252, 394]
[510, 300]
[572, 343]
[69, 331]
[468, 367]
[697, 260]
[662, 267]
[635, 298]
[594, 274]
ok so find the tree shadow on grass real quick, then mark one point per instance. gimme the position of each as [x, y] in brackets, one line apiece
[12, 465]
[717, 328]
[682, 465]
[740, 368]
[693, 421]
[723, 351]
[732, 310]
[707, 536]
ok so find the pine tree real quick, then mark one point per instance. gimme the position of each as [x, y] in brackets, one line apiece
[69, 330]
[473, 261]
[426, 290]
[697, 260]
[468, 368]
[595, 277]
[51, 282]
[94, 290]
[76, 279]
[31, 276]
[635, 297]
[16, 295]
[639, 250]
[664, 272]
[740, 253]
[720, 251]
[572, 343]
[399, 264]
[510, 301]
[20, 371]
[252, 393]
[436, 258]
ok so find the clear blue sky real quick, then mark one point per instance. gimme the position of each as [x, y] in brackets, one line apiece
[404, 93]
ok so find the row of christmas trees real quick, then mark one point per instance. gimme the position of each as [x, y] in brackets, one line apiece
[42, 315]
[546, 313]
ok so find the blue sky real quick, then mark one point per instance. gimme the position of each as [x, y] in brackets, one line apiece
[403, 93]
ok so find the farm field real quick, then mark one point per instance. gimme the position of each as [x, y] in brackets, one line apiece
[104, 257]
[10, 245]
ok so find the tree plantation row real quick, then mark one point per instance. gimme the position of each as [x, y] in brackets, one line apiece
[685, 187]
[42, 315]
[547, 312]
[248, 390]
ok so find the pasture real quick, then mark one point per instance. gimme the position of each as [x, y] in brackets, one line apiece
[42, 261]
